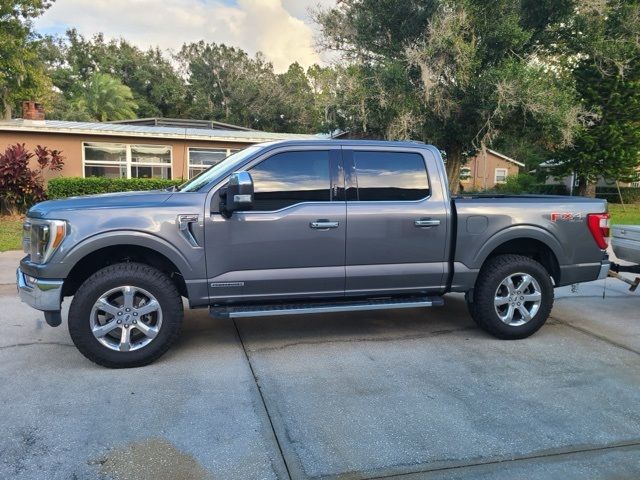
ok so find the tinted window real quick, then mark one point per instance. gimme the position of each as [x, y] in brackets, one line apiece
[390, 176]
[289, 178]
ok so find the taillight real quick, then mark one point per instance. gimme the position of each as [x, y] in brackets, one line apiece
[599, 228]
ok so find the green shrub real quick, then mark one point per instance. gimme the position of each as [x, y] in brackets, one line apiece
[629, 194]
[517, 184]
[70, 186]
[523, 184]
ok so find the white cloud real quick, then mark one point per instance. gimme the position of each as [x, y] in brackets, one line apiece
[281, 29]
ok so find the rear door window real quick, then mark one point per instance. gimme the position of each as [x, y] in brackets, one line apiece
[390, 176]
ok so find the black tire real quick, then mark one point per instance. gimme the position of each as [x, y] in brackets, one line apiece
[470, 306]
[492, 274]
[112, 277]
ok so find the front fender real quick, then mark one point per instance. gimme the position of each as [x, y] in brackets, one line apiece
[60, 269]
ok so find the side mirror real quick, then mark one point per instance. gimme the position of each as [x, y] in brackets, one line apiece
[238, 194]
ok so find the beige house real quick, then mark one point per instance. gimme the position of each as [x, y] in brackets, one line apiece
[144, 148]
[487, 170]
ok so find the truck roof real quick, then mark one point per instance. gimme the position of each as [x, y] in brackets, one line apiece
[337, 141]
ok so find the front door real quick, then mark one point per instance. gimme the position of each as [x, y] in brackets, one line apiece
[292, 243]
[396, 225]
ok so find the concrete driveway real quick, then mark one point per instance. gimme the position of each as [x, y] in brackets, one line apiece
[409, 394]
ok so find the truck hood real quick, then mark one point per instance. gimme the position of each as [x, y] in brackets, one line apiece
[103, 201]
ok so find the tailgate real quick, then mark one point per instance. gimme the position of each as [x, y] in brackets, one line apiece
[626, 242]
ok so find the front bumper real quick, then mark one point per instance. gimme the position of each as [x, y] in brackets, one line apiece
[41, 294]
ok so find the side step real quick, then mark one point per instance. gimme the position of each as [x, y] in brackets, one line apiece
[324, 307]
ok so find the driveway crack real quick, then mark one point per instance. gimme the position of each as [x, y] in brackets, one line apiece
[597, 336]
[15, 345]
[415, 336]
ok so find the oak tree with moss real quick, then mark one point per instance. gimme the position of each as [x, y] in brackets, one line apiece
[455, 72]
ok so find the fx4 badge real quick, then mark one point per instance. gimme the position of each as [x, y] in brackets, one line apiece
[566, 217]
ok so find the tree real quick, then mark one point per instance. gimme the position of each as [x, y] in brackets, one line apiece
[453, 72]
[226, 84]
[607, 75]
[104, 98]
[22, 74]
[157, 88]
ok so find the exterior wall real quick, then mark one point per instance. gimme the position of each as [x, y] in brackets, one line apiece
[71, 147]
[482, 171]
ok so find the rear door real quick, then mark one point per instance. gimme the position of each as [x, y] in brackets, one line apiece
[292, 243]
[396, 226]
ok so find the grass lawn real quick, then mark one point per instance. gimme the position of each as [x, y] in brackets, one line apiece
[10, 233]
[629, 217]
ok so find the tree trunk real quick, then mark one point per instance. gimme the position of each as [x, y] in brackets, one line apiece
[6, 111]
[585, 187]
[454, 163]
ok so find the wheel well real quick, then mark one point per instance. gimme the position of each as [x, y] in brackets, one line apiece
[534, 249]
[103, 257]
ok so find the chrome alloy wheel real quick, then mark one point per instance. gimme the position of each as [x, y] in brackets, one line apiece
[126, 318]
[517, 299]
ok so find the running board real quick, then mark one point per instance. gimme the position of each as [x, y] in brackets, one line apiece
[323, 307]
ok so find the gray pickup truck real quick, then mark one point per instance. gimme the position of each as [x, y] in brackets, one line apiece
[298, 227]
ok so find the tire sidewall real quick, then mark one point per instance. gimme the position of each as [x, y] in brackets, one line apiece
[113, 277]
[490, 278]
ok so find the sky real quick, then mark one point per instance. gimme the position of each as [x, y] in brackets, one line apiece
[281, 29]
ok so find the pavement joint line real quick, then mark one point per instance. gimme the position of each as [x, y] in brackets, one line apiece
[570, 297]
[559, 452]
[264, 403]
[596, 336]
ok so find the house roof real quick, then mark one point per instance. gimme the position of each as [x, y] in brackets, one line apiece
[144, 131]
[504, 157]
[181, 123]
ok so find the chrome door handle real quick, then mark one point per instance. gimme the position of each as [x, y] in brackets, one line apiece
[426, 222]
[324, 224]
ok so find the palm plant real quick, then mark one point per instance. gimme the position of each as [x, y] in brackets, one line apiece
[105, 98]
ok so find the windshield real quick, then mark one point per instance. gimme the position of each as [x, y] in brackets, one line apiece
[228, 164]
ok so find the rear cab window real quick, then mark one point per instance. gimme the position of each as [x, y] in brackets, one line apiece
[379, 176]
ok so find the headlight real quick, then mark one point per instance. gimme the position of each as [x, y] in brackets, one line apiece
[41, 238]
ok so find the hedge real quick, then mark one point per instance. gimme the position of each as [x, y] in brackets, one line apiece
[537, 189]
[629, 194]
[70, 186]
[544, 189]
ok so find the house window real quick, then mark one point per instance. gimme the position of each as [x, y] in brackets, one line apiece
[119, 160]
[501, 175]
[202, 158]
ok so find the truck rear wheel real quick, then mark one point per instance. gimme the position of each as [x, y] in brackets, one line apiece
[125, 315]
[513, 297]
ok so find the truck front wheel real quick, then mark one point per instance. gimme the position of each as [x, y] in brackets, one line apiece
[125, 315]
[513, 297]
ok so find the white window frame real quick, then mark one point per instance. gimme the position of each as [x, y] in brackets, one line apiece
[128, 162]
[203, 166]
[495, 177]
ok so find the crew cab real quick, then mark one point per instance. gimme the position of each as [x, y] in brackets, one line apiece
[299, 227]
